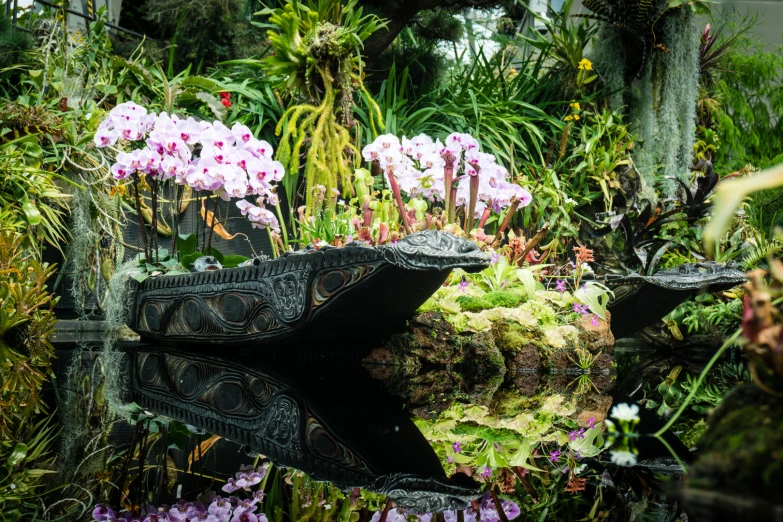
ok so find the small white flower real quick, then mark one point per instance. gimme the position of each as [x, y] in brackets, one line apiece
[587, 269]
[623, 458]
[625, 412]
[580, 468]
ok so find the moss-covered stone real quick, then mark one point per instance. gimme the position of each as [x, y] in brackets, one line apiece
[481, 348]
[473, 304]
[503, 299]
[511, 336]
[740, 467]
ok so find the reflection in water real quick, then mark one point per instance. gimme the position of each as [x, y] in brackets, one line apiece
[335, 427]
[421, 438]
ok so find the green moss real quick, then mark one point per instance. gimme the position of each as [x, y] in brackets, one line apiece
[485, 432]
[503, 299]
[510, 336]
[508, 403]
[473, 304]
[740, 451]
[543, 313]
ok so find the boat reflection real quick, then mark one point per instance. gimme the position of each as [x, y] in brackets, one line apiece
[334, 424]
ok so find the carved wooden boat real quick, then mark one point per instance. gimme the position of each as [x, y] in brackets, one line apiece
[639, 301]
[323, 295]
[342, 428]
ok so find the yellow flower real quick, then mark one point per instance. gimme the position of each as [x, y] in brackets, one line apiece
[571, 117]
[575, 106]
[585, 65]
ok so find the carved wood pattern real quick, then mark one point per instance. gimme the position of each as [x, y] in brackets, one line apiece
[273, 300]
[251, 407]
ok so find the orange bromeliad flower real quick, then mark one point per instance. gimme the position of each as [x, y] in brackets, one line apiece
[584, 254]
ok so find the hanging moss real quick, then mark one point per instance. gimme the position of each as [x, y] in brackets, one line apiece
[608, 58]
[643, 123]
[679, 89]
[83, 241]
[662, 103]
[115, 318]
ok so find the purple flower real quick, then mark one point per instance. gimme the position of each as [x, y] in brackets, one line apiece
[486, 472]
[489, 512]
[220, 507]
[245, 481]
[511, 509]
[469, 516]
[594, 320]
[494, 258]
[457, 447]
[554, 456]
[463, 286]
[572, 436]
[103, 512]
[577, 308]
[230, 487]
[245, 517]
[578, 454]
[591, 422]
[560, 286]
[246, 506]
[566, 469]
[449, 459]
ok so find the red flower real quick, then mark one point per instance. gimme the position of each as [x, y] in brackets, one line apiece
[226, 103]
[225, 95]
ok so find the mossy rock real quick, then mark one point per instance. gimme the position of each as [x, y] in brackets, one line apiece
[511, 336]
[503, 299]
[481, 350]
[739, 469]
[508, 403]
[473, 304]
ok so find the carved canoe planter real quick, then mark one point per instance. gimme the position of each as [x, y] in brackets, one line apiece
[336, 426]
[326, 294]
[640, 301]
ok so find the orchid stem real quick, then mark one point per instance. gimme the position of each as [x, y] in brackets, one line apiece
[282, 224]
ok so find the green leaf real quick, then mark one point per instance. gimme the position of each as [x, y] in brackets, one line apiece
[187, 244]
[528, 281]
[592, 443]
[226, 260]
[140, 277]
[188, 259]
[519, 458]
[18, 454]
[595, 296]
[12, 515]
[214, 104]
[31, 212]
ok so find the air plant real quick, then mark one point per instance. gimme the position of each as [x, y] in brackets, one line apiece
[316, 56]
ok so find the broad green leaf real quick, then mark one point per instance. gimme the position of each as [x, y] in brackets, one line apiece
[187, 244]
[214, 104]
[31, 212]
[18, 454]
